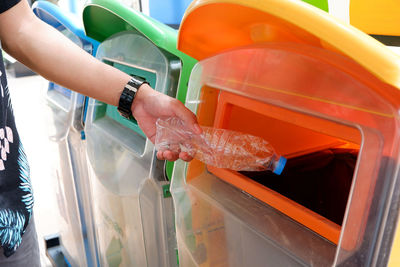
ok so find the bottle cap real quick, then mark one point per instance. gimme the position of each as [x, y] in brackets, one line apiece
[280, 165]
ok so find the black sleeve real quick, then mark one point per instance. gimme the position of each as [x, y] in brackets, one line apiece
[7, 4]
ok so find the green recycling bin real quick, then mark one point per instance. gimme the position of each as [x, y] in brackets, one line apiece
[321, 4]
[133, 210]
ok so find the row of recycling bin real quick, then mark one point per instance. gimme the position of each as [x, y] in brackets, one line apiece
[324, 94]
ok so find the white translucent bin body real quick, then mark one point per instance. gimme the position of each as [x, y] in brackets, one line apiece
[133, 219]
[243, 231]
[73, 193]
[220, 225]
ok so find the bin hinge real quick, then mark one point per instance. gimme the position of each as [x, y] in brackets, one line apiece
[166, 192]
[83, 135]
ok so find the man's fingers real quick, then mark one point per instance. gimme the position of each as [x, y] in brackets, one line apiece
[160, 155]
[185, 156]
[171, 156]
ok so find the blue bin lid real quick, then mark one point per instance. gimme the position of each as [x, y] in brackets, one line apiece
[59, 19]
[168, 11]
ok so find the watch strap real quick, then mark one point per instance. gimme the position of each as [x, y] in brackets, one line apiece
[128, 96]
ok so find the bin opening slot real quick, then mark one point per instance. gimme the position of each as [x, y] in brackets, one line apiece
[322, 154]
[59, 96]
[319, 181]
[62, 90]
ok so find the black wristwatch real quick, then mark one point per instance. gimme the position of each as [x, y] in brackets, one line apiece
[128, 95]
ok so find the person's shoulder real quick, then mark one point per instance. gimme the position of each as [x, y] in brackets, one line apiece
[7, 4]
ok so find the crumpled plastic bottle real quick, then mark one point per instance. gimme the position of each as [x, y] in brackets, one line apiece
[219, 147]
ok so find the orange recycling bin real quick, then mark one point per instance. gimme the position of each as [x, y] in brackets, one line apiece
[326, 96]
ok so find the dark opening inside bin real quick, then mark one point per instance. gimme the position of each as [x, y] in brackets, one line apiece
[319, 181]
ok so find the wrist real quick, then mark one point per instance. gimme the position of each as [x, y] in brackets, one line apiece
[143, 92]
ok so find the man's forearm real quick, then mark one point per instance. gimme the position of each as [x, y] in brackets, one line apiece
[58, 59]
[52, 55]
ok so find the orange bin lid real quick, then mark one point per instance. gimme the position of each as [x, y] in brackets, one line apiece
[210, 27]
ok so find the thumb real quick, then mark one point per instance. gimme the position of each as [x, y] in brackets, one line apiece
[187, 116]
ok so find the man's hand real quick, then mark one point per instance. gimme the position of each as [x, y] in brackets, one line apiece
[149, 105]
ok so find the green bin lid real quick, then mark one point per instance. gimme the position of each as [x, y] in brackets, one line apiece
[103, 18]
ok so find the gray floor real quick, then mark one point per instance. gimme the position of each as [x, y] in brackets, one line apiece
[28, 99]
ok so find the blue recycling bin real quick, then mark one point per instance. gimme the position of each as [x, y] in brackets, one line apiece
[169, 12]
[67, 109]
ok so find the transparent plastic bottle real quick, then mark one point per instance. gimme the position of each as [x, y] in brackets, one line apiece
[219, 147]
